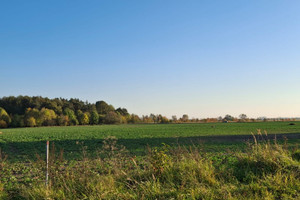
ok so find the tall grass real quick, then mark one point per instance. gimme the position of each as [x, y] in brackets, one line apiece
[266, 170]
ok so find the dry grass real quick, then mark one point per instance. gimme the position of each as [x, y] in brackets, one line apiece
[266, 170]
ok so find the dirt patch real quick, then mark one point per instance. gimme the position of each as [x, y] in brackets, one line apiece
[236, 138]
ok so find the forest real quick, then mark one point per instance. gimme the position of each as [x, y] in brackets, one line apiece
[25, 111]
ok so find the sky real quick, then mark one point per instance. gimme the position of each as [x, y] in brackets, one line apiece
[201, 58]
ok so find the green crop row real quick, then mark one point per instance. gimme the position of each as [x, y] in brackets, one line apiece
[264, 170]
[20, 143]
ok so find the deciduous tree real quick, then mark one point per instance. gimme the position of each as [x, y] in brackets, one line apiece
[31, 122]
[112, 118]
[4, 116]
[94, 118]
[228, 118]
[185, 118]
[103, 108]
[48, 117]
[71, 115]
[35, 114]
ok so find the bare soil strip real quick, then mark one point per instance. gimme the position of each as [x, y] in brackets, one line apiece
[237, 138]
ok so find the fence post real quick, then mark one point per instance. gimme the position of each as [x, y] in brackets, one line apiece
[47, 161]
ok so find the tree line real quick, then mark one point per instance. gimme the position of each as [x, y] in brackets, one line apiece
[25, 111]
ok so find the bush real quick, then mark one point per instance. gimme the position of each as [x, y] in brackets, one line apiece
[3, 124]
[159, 159]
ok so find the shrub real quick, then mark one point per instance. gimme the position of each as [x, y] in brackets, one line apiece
[3, 124]
[159, 159]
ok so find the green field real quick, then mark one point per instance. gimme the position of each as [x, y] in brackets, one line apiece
[26, 142]
[199, 161]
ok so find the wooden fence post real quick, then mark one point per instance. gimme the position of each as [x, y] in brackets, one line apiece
[47, 161]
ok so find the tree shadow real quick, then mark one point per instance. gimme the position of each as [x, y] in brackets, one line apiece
[72, 149]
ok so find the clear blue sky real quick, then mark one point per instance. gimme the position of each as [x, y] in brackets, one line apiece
[202, 58]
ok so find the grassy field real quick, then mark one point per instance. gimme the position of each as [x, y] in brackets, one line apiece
[23, 143]
[159, 161]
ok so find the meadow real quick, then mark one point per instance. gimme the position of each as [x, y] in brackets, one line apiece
[153, 161]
